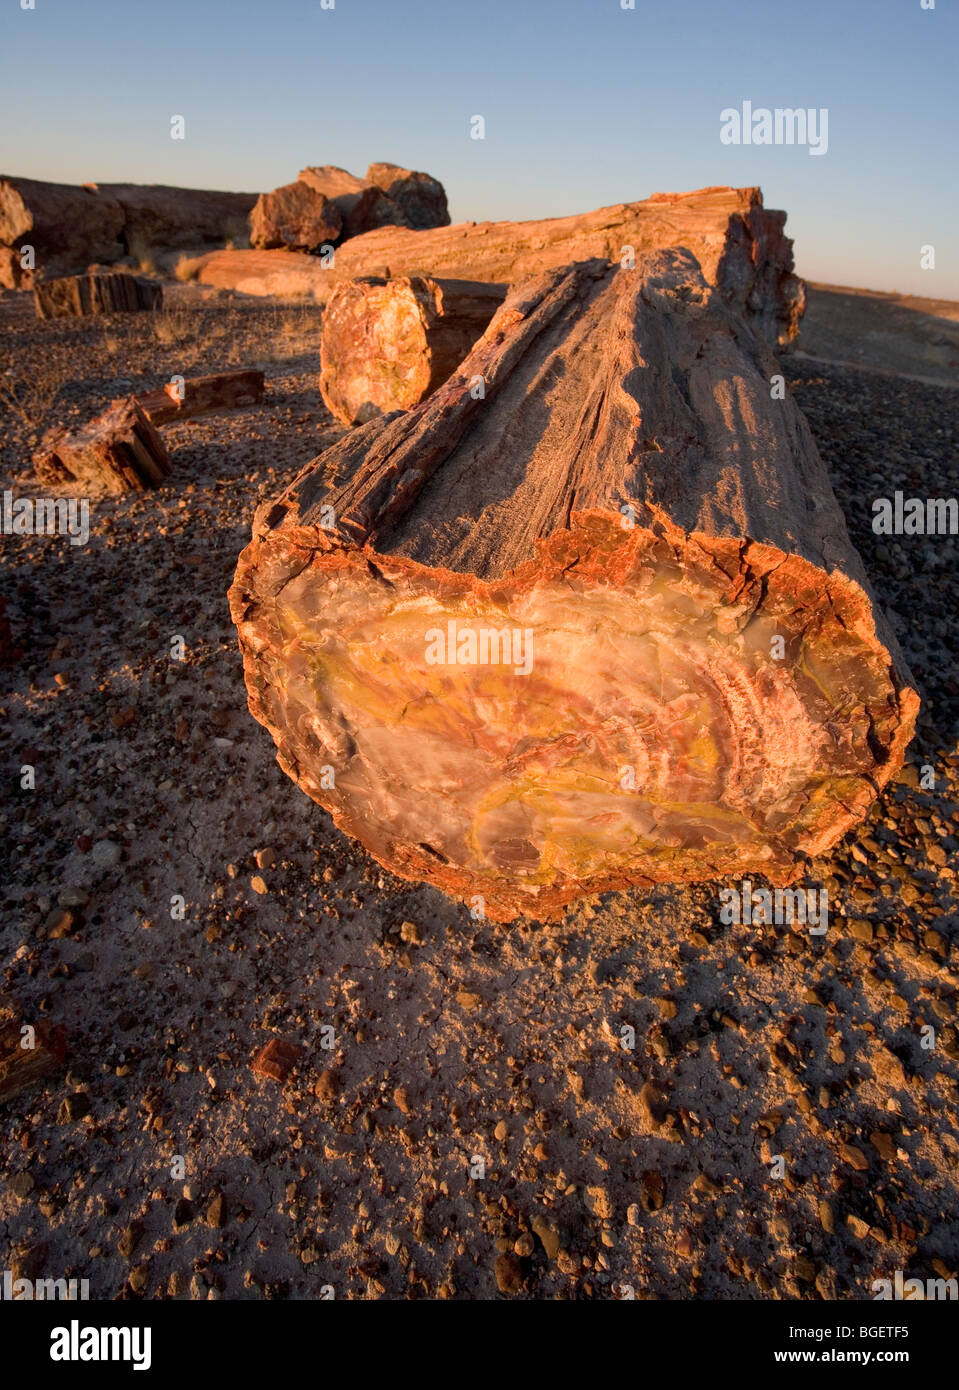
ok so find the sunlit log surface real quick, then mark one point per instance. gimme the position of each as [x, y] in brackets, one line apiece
[598, 625]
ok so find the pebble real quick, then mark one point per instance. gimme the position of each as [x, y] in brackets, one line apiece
[106, 854]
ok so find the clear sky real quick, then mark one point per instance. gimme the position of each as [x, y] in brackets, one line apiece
[585, 103]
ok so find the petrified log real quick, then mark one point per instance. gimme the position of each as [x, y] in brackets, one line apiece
[71, 226]
[386, 344]
[295, 216]
[422, 198]
[75, 296]
[120, 451]
[199, 394]
[739, 244]
[363, 206]
[598, 624]
[67, 226]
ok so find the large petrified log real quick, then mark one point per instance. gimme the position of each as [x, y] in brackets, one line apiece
[120, 451]
[296, 217]
[198, 395]
[75, 296]
[386, 344]
[70, 227]
[739, 244]
[597, 623]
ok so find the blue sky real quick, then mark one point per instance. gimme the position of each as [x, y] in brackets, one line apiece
[585, 103]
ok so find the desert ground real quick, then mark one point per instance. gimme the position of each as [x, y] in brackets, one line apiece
[428, 1041]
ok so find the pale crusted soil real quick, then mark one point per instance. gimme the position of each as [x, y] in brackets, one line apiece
[604, 1166]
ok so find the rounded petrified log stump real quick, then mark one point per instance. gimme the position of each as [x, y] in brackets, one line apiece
[387, 344]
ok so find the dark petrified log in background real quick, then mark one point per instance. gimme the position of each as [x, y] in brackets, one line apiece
[75, 296]
[600, 626]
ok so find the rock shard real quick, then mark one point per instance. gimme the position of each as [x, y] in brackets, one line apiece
[599, 625]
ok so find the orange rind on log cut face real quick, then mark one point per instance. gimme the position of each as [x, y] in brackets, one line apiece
[634, 706]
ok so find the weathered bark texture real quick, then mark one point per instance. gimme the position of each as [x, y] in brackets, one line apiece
[120, 451]
[199, 394]
[363, 207]
[75, 296]
[602, 625]
[739, 244]
[21, 1066]
[386, 344]
[422, 198]
[71, 227]
[296, 217]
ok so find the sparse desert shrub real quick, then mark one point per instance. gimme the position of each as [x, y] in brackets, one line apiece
[142, 253]
[188, 268]
[29, 393]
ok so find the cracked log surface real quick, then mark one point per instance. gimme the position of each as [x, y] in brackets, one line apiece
[739, 243]
[639, 727]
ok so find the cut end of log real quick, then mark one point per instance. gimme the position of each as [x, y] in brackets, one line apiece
[613, 714]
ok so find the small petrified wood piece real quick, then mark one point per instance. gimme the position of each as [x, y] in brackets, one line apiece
[120, 451]
[199, 394]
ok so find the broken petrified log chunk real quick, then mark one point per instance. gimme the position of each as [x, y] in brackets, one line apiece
[28, 1053]
[97, 293]
[421, 197]
[199, 394]
[363, 206]
[119, 451]
[602, 626]
[295, 217]
[386, 344]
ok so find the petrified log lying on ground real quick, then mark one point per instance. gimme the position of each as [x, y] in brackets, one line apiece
[739, 244]
[75, 296]
[386, 344]
[600, 626]
[119, 451]
[296, 217]
[71, 226]
[199, 394]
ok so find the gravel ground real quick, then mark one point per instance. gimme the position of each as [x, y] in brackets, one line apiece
[463, 1119]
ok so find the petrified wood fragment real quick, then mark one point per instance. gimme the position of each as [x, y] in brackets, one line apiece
[296, 217]
[101, 292]
[28, 1055]
[120, 451]
[386, 344]
[197, 395]
[599, 624]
